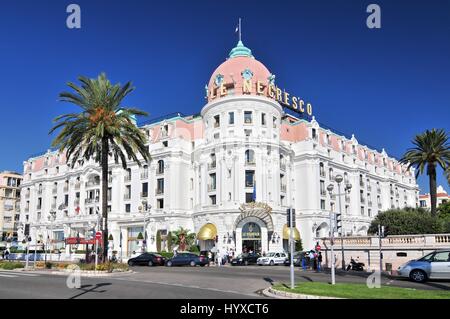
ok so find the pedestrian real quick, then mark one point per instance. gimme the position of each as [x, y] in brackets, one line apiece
[7, 254]
[304, 260]
[311, 259]
[319, 262]
[218, 258]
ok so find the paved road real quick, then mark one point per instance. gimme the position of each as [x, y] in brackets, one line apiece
[175, 282]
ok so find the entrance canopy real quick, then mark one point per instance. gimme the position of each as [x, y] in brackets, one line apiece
[207, 232]
[287, 231]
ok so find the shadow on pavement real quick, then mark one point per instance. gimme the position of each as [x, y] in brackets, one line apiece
[85, 289]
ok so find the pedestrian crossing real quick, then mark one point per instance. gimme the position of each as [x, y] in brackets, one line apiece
[15, 274]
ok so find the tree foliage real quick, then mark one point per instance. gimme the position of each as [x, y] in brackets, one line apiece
[408, 221]
[190, 237]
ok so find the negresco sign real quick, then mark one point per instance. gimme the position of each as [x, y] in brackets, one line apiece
[272, 91]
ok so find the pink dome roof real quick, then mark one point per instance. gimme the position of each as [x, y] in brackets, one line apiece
[232, 72]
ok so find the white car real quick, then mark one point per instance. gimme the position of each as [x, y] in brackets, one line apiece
[435, 265]
[272, 258]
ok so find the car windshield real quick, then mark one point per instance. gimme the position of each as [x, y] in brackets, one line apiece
[427, 257]
[242, 255]
[271, 254]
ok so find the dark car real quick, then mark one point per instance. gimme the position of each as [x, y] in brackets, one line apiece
[298, 255]
[147, 259]
[184, 259]
[245, 259]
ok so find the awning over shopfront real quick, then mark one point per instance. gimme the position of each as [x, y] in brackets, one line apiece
[207, 232]
[286, 233]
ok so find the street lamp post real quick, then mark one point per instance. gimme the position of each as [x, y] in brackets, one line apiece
[348, 187]
[51, 219]
[145, 208]
[332, 217]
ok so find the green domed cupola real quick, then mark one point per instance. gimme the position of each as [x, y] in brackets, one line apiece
[240, 50]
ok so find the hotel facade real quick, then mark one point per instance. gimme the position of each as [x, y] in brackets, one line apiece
[228, 174]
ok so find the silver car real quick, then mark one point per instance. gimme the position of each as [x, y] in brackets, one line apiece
[435, 265]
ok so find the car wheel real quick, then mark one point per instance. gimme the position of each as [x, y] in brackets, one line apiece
[130, 263]
[169, 264]
[418, 275]
[271, 263]
[192, 263]
[150, 263]
[202, 265]
[246, 262]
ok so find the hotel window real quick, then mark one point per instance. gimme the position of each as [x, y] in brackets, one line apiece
[160, 203]
[249, 178]
[362, 210]
[369, 212]
[212, 199]
[274, 122]
[345, 178]
[127, 192]
[314, 134]
[248, 133]
[165, 143]
[212, 182]
[160, 186]
[248, 117]
[249, 157]
[322, 204]
[321, 169]
[322, 188]
[282, 201]
[127, 208]
[160, 167]
[353, 149]
[216, 136]
[263, 119]
[332, 206]
[217, 121]
[328, 139]
[248, 197]
[57, 169]
[231, 118]
[192, 183]
[144, 190]
[331, 173]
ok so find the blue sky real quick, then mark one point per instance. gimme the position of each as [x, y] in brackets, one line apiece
[383, 85]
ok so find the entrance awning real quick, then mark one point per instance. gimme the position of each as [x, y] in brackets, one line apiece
[207, 232]
[286, 232]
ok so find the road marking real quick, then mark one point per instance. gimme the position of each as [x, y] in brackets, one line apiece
[188, 286]
[16, 274]
[10, 276]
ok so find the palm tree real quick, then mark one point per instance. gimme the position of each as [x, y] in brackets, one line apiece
[447, 174]
[103, 128]
[431, 149]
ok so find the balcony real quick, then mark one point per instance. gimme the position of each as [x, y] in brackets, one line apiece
[322, 173]
[127, 196]
[211, 187]
[38, 207]
[397, 195]
[369, 203]
[77, 186]
[160, 172]
[323, 192]
[250, 163]
[27, 195]
[91, 200]
[363, 200]
[144, 194]
[93, 183]
[283, 166]
[392, 192]
[211, 166]
[159, 191]
[361, 183]
[283, 188]
[144, 175]
[27, 209]
[369, 188]
[379, 190]
[66, 189]
[127, 178]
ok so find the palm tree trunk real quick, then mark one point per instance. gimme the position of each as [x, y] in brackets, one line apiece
[432, 176]
[105, 151]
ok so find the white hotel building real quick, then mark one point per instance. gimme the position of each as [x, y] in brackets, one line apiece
[203, 171]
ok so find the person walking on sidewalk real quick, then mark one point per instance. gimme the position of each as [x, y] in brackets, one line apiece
[319, 261]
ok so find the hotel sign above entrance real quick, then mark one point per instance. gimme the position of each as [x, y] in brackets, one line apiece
[287, 100]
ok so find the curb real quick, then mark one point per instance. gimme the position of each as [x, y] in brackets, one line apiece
[270, 292]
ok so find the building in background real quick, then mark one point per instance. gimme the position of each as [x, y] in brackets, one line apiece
[228, 174]
[9, 205]
[441, 196]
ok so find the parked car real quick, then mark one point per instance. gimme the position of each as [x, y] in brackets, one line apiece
[435, 265]
[147, 259]
[184, 259]
[245, 259]
[272, 258]
[298, 255]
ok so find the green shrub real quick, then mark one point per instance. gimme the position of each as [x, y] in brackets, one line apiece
[194, 249]
[48, 265]
[166, 254]
[10, 265]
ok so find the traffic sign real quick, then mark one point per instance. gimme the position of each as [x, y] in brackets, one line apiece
[98, 235]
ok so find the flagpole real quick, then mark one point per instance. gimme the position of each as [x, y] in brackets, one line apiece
[240, 33]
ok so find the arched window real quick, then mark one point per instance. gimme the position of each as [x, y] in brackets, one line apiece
[160, 167]
[249, 157]
[322, 170]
